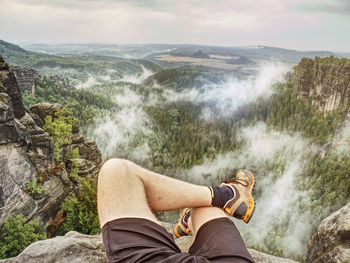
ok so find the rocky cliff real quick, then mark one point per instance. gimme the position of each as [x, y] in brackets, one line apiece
[26, 151]
[75, 247]
[331, 242]
[26, 78]
[325, 81]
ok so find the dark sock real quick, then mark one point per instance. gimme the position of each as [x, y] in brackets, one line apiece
[220, 195]
[186, 217]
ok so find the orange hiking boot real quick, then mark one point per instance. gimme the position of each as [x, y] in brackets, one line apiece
[181, 228]
[242, 205]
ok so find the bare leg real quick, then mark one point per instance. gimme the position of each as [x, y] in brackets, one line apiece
[128, 190]
[201, 215]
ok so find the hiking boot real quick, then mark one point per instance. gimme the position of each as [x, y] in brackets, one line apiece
[181, 228]
[242, 205]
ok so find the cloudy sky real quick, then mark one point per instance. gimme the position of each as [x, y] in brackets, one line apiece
[295, 24]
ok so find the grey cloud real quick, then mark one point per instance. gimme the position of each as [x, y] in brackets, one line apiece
[338, 7]
[88, 4]
[291, 23]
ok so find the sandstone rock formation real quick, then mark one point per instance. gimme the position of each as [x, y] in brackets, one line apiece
[260, 257]
[90, 156]
[26, 78]
[7, 84]
[26, 151]
[326, 81]
[71, 248]
[76, 247]
[331, 242]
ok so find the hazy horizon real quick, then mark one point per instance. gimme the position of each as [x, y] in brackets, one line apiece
[291, 24]
[170, 44]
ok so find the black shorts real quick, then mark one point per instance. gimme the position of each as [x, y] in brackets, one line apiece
[142, 240]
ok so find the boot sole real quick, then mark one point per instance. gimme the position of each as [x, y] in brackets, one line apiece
[179, 232]
[252, 203]
[176, 231]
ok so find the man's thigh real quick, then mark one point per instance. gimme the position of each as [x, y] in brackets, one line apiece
[121, 193]
[142, 240]
[218, 240]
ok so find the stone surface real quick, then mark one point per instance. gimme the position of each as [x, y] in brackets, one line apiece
[326, 81]
[260, 257]
[6, 110]
[49, 109]
[91, 155]
[16, 199]
[40, 145]
[25, 149]
[10, 132]
[331, 242]
[90, 158]
[26, 152]
[9, 127]
[44, 109]
[26, 78]
[16, 171]
[86, 167]
[76, 247]
[7, 82]
[72, 248]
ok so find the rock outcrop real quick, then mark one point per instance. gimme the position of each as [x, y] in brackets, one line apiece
[71, 248]
[7, 84]
[331, 242]
[90, 158]
[76, 247]
[26, 152]
[260, 257]
[326, 81]
[26, 78]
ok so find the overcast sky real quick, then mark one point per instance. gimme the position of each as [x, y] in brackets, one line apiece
[295, 24]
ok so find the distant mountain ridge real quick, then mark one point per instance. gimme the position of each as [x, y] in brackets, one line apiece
[6, 45]
[150, 50]
[14, 54]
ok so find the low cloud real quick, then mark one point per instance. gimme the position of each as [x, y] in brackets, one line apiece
[232, 92]
[91, 81]
[138, 78]
[124, 134]
[278, 158]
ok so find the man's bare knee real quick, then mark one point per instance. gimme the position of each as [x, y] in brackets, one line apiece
[114, 168]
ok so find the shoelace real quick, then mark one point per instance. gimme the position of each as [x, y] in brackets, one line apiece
[237, 181]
